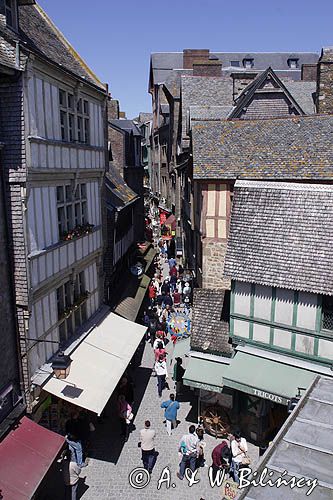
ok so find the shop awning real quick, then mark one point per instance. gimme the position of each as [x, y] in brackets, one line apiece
[266, 378]
[26, 454]
[205, 374]
[132, 297]
[98, 363]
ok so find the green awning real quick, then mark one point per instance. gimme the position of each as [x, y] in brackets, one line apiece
[266, 378]
[181, 348]
[205, 374]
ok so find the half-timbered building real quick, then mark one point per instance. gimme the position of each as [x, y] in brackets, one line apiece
[53, 113]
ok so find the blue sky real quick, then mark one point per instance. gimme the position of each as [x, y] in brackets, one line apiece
[116, 37]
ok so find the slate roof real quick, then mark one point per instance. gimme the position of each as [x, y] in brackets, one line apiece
[210, 333]
[172, 83]
[209, 112]
[303, 93]
[204, 91]
[260, 84]
[280, 149]
[126, 125]
[119, 193]
[145, 117]
[40, 35]
[162, 63]
[281, 234]
[303, 448]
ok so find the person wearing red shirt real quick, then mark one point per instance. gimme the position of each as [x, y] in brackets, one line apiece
[152, 293]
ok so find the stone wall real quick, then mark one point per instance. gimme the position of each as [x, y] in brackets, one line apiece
[213, 255]
[325, 82]
[117, 140]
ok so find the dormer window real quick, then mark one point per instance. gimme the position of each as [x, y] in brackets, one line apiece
[248, 63]
[234, 64]
[11, 13]
[293, 63]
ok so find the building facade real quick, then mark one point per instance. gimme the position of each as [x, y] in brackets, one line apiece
[54, 120]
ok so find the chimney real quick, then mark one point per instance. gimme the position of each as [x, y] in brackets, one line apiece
[113, 109]
[309, 72]
[191, 56]
[207, 68]
[325, 82]
[122, 114]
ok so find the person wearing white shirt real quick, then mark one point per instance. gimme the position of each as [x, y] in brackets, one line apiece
[147, 437]
[161, 373]
[188, 447]
[238, 450]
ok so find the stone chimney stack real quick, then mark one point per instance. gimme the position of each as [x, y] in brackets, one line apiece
[309, 72]
[113, 109]
[191, 56]
[325, 82]
[211, 67]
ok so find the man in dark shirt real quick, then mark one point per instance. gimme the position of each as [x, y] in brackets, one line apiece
[221, 455]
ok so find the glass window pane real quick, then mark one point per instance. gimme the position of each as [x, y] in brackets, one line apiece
[70, 101]
[79, 106]
[71, 127]
[62, 97]
[79, 128]
[86, 130]
[84, 215]
[61, 220]
[68, 193]
[83, 191]
[85, 107]
[60, 194]
[77, 214]
[69, 217]
[77, 192]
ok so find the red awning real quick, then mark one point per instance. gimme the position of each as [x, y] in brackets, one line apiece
[171, 221]
[26, 454]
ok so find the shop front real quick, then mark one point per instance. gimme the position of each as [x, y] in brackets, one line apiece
[98, 362]
[251, 393]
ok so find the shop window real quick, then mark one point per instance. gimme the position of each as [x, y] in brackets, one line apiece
[71, 302]
[72, 208]
[327, 313]
[74, 120]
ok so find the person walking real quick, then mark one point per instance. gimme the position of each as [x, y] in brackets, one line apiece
[160, 351]
[75, 450]
[201, 447]
[239, 453]
[152, 294]
[125, 416]
[172, 263]
[161, 373]
[171, 408]
[152, 327]
[178, 374]
[148, 454]
[71, 474]
[188, 449]
[221, 456]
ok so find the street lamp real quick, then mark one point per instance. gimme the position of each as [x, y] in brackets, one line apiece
[61, 365]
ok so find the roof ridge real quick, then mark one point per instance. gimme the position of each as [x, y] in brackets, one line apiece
[68, 45]
[288, 186]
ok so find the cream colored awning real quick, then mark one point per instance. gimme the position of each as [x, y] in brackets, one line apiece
[98, 363]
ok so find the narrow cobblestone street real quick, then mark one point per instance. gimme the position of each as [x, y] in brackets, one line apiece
[111, 462]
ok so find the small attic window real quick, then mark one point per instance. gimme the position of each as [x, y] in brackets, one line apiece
[235, 64]
[248, 63]
[293, 63]
[11, 13]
